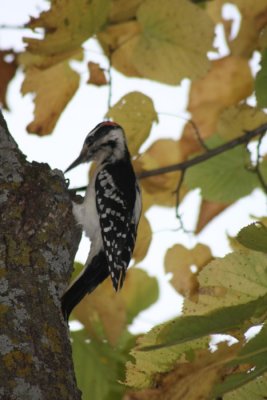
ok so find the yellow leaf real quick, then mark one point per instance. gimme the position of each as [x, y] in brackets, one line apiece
[123, 11]
[67, 25]
[144, 237]
[169, 49]
[135, 112]
[228, 82]
[237, 119]
[54, 87]
[191, 380]
[160, 45]
[28, 59]
[179, 261]
[160, 188]
[96, 74]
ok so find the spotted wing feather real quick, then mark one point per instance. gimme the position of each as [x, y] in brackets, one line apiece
[115, 208]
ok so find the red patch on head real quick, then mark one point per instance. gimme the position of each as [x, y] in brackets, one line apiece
[109, 123]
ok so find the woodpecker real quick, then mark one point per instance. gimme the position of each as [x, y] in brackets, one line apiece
[109, 214]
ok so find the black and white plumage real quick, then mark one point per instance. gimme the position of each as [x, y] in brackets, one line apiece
[109, 214]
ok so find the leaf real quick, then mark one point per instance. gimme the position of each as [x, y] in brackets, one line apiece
[234, 121]
[179, 49]
[96, 74]
[143, 241]
[123, 11]
[255, 390]
[238, 278]
[54, 87]
[251, 24]
[106, 314]
[161, 188]
[179, 260]
[208, 211]
[218, 321]
[136, 113]
[8, 67]
[141, 372]
[223, 178]
[228, 82]
[180, 339]
[99, 367]
[253, 355]
[253, 236]
[67, 25]
[192, 380]
[261, 82]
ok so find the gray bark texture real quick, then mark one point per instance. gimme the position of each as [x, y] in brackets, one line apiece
[38, 242]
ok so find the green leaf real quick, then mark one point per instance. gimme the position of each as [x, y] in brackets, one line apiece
[253, 353]
[254, 236]
[99, 366]
[165, 345]
[136, 113]
[223, 178]
[261, 82]
[239, 277]
[221, 320]
[170, 49]
[254, 390]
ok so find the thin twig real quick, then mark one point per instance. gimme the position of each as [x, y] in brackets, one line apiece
[198, 136]
[257, 166]
[109, 82]
[177, 202]
[11, 27]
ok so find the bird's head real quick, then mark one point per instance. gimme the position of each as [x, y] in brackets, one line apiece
[106, 142]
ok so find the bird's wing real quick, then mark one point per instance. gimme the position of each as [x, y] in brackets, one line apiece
[117, 225]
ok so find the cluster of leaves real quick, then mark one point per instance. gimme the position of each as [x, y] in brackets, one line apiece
[168, 41]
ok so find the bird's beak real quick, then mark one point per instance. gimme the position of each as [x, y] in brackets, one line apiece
[81, 159]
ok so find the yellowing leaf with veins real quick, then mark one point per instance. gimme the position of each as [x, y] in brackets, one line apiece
[135, 112]
[191, 380]
[227, 83]
[237, 278]
[111, 311]
[164, 47]
[179, 260]
[143, 240]
[170, 49]
[161, 188]
[54, 87]
[237, 119]
[67, 25]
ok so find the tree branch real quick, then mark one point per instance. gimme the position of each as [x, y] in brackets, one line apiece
[207, 155]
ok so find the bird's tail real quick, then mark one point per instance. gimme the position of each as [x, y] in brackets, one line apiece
[93, 274]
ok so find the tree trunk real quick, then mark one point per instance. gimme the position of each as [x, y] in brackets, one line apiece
[38, 242]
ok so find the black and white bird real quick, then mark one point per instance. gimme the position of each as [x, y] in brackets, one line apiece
[109, 214]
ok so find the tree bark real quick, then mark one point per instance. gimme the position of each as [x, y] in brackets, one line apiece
[38, 242]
